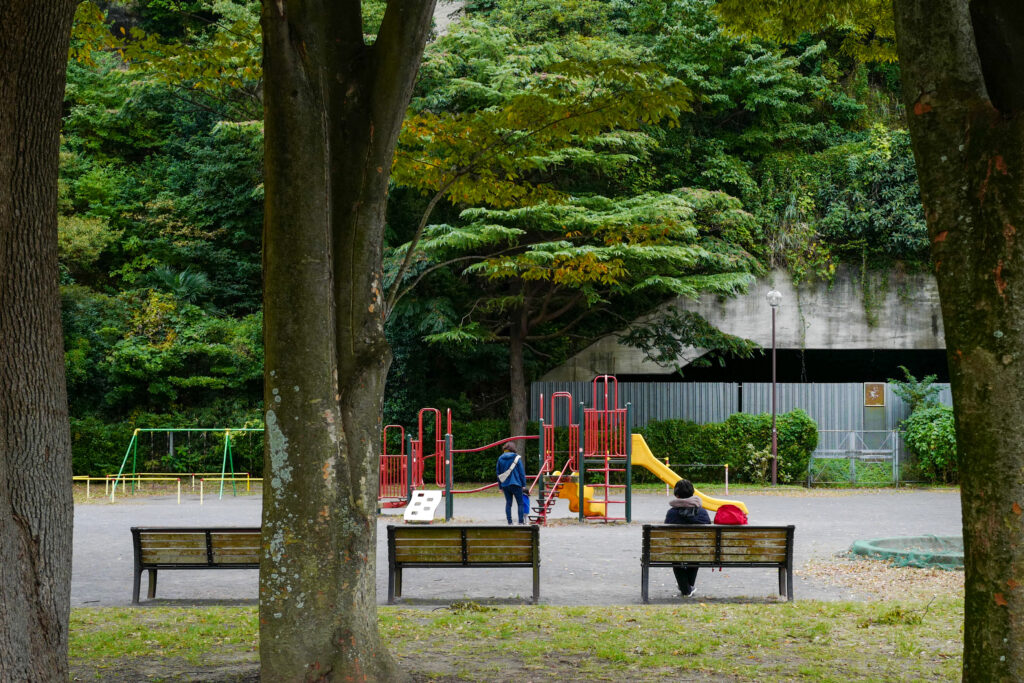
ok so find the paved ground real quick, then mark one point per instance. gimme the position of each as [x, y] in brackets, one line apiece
[586, 564]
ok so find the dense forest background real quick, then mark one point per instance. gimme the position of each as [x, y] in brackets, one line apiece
[565, 166]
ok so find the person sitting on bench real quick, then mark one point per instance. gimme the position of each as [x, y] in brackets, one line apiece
[685, 508]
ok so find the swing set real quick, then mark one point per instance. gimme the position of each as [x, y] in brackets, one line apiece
[227, 472]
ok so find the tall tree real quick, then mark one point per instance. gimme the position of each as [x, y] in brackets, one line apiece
[35, 446]
[333, 108]
[537, 272]
[961, 62]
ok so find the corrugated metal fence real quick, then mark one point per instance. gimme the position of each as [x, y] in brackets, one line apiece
[700, 402]
[835, 407]
[838, 409]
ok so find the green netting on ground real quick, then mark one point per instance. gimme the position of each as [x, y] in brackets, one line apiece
[944, 552]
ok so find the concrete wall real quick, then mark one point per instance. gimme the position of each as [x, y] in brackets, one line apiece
[903, 315]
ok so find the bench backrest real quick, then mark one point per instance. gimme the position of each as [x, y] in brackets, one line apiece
[463, 545]
[717, 544]
[196, 546]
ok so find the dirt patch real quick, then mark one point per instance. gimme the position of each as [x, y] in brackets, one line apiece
[137, 669]
[884, 581]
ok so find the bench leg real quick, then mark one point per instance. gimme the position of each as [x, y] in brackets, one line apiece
[152, 584]
[644, 575]
[536, 582]
[136, 586]
[398, 582]
[391, 585]
[782, 581]
[789, 583]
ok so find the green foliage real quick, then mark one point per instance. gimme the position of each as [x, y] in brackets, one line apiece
[672, 334]
[579, 160]
[916, 393]
[739, 442]
[756, 467]
[930, 433]
[173, 352]
[867, 26]
[81, 240]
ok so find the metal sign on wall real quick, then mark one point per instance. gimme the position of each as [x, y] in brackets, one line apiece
[874, 393]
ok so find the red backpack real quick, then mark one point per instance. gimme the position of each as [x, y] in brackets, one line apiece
[730, 514]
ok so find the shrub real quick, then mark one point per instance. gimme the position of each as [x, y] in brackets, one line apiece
[930, 433]
[731, 442]
[916, 393]
[97, 448]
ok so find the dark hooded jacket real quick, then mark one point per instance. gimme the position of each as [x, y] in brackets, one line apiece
[686, 511]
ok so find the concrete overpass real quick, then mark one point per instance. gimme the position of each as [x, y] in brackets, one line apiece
[896, 311]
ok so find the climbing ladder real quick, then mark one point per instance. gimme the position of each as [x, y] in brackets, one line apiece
[606, 452]
[548, 483]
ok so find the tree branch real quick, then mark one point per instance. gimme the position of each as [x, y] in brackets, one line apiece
[562, 332]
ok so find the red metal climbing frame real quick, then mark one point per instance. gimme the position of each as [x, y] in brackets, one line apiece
[606, 447]
[394, 470]
[553, 483]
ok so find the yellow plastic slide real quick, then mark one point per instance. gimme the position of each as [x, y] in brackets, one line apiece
[590, 509]
[643, 457]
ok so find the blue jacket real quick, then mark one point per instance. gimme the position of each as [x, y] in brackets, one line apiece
[518, 475]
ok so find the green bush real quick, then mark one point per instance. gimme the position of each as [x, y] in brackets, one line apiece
[732, 442]
[97, 447]
[930, 433]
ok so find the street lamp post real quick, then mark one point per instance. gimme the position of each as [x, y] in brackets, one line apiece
[774, 299]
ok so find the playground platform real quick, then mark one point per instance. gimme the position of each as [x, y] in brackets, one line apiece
[581, 564]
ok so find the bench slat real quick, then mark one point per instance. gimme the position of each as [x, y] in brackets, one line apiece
[406, 555]
[172, 556]
[226, 540]
[236, 557]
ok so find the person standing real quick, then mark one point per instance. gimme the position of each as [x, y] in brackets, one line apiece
[686, 508]
[511, 479]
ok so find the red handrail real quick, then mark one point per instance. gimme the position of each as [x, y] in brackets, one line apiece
[496, 443]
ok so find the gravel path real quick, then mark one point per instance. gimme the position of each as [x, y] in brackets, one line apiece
[588, 564]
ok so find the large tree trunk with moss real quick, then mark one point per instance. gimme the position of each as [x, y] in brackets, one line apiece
[962, 64]
[333, 110]
[36, 510]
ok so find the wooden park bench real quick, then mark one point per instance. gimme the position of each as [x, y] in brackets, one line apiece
[192, 548]
[461, 546]
[713, 545]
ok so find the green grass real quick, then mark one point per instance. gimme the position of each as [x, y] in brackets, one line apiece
[794, 641]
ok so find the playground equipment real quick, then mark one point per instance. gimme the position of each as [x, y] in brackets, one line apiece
[402, 473]
[227, 462]
[643, 457]
[603, 445]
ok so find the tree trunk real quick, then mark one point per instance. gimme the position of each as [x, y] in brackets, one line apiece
[961, 86]
[333, 110]
[36, 510]
[519, 410]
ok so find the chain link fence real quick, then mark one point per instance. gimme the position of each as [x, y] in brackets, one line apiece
[861, 458]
